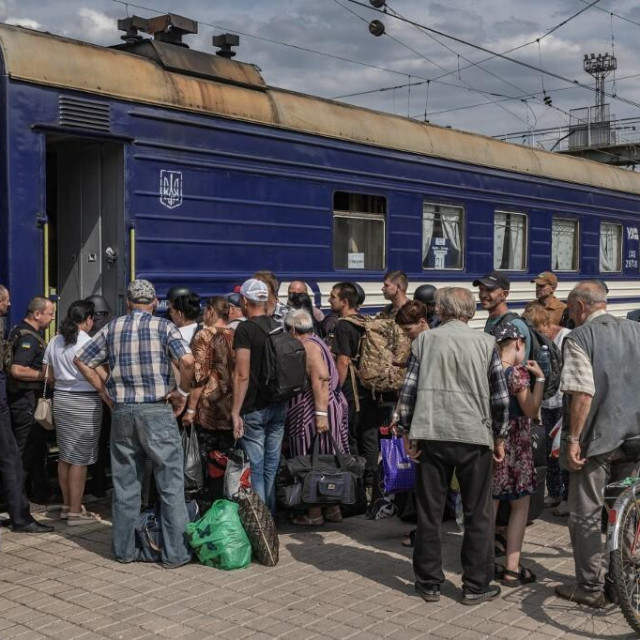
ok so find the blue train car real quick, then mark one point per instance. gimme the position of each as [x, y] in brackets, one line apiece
[155, 161]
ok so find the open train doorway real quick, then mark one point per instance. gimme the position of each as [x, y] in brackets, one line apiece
[85, 213]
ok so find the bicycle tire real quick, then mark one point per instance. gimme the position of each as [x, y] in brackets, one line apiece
[624, 563]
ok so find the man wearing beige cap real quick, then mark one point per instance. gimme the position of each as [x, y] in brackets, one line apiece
[546, 285]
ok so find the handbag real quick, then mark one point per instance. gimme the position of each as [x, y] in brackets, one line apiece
[193, 473]
[43, 414]
[329, 480]
[260, 528]
[398, 468]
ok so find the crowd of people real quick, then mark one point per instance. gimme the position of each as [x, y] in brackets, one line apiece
[465, 404]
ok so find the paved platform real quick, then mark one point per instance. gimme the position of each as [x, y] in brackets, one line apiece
[336, 582]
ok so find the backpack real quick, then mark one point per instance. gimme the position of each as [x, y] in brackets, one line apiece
[538, 340]
[382, 354]
[283, 371]
[10, 345]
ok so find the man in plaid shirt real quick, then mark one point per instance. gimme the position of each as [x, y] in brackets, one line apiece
[138, 349]
[456, 402]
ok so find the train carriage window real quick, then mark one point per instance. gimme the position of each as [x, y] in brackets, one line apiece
[510, 241]
[359, 231]
[442, 236]
[610, 247]
[565, 243]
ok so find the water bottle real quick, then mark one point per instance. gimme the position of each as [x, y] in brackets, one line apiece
[544, 360]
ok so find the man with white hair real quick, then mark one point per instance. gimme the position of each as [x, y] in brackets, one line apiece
[256, 420]
[456, 402]
[600, 356]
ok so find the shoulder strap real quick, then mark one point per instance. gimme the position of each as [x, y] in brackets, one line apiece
[21, 331]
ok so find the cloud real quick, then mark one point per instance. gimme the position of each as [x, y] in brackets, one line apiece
[29, 23]
[97, 26]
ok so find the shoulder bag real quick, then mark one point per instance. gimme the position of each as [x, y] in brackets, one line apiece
[43, 414]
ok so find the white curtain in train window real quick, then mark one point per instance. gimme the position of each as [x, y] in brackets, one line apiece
[509, 237]
[610, 247]
[441, 225]
[563, 245]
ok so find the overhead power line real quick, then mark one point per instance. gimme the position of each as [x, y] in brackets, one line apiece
[496, 54]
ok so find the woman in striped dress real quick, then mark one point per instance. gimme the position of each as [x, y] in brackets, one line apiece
[77, 411]
[317, 410]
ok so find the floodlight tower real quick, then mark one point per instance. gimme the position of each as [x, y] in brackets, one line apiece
[600, 66]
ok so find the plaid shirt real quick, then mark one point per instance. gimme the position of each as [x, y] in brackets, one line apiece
[138, 348]
[497, 386]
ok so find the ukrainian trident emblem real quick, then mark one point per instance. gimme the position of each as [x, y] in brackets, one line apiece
[170, 188]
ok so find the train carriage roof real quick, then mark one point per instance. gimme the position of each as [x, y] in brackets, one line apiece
[236, 90]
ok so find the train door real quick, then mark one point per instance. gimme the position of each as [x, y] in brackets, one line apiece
[85, 209]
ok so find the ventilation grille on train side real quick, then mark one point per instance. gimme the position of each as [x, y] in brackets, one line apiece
[81, 113]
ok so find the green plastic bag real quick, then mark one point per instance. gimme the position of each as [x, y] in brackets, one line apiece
[219, 539]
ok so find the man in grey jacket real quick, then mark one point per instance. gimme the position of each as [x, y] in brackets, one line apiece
[456, 401]
[604, 412]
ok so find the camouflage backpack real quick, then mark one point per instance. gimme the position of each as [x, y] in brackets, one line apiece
[383, 353]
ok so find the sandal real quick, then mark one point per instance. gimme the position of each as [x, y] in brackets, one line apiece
[409, 538]
[522, 576]
[64, 512]
[498, 571]
[306, 521]
[333, 514]
[500, 548]
[84, 517]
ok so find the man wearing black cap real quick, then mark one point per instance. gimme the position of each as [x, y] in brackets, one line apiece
[493, 293]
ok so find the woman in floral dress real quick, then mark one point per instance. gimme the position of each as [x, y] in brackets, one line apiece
[514, 479]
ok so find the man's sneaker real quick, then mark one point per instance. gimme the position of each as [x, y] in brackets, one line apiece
[551, 501]
[471, 598]
[576, 593]
[562, 509]
[429, 595]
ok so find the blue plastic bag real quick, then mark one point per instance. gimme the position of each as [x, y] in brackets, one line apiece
[398, 468]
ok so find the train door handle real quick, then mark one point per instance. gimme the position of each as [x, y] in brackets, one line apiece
[111, 255]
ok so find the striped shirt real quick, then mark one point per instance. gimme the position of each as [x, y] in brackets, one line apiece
[577, 370]
[138, 349]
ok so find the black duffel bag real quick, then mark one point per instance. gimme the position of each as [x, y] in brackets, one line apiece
[326, 478]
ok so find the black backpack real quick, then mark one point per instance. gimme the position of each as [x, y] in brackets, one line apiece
[538, 340]
[283, 371]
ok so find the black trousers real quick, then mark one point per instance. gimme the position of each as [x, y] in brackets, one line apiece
[474, 469]
[11, 472]
[363, 432]
[32, 440]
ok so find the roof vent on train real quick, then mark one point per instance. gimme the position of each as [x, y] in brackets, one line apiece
[225, 41]
[167, 49]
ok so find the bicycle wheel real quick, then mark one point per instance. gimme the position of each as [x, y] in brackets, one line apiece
[624, 563]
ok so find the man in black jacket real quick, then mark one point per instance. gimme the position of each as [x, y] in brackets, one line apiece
[10, 464]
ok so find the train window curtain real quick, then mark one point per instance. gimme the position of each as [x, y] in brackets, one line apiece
[610, 247]
[510, 241]
[442, 234]
[564, 245]
[359, 222]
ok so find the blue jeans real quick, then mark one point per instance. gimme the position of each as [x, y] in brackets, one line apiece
[140, 432]
[262, 442]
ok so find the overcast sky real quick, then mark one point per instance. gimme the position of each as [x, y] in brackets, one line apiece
[405, 55]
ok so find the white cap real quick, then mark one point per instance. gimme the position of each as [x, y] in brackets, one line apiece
[254, 290]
